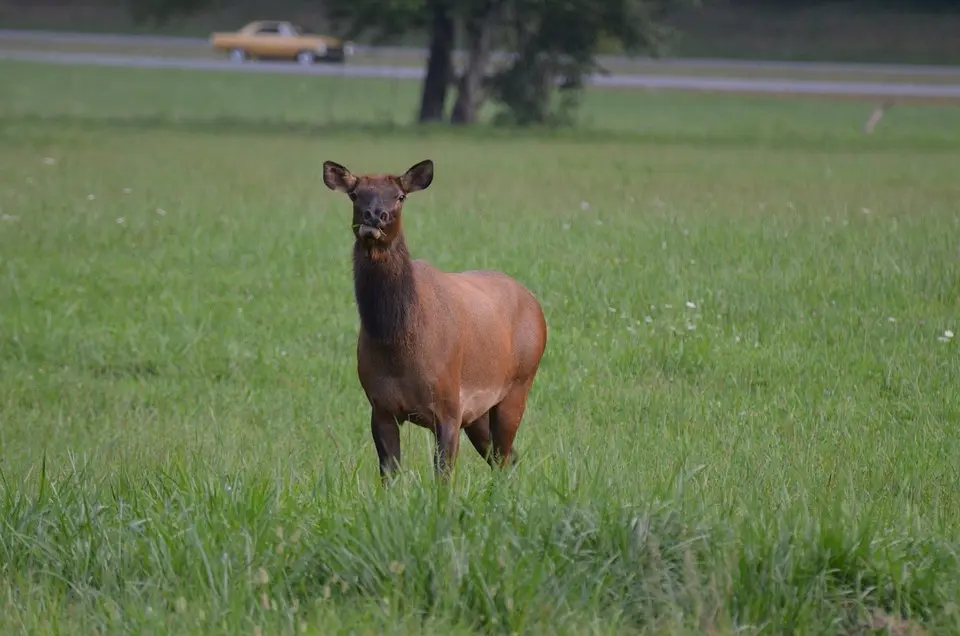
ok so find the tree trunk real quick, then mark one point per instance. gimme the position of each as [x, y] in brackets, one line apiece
[479, 31]
[440, 63]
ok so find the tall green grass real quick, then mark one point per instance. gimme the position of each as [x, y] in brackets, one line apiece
[183, 548]
[745, 420]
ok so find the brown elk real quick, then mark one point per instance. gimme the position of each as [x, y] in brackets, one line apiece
[442, 350]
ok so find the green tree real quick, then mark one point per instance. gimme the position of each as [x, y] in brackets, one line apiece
[555, 44]
[477, 19]
[481, 20]
[385, 20]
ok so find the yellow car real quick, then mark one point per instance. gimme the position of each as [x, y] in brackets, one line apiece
[278, 40]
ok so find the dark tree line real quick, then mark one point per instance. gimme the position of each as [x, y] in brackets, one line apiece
[531, 58]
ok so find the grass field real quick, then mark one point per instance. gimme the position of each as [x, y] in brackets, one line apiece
[745, 420]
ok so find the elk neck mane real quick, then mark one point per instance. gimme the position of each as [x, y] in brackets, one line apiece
[385, 289]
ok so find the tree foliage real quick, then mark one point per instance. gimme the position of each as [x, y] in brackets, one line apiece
[164, 10]
[383, 20]
[555, 44]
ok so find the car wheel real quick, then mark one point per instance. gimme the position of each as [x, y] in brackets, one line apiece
[306, 58]
[238, 55]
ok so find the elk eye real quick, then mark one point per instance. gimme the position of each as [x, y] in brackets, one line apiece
[352, 195]
[401, 197]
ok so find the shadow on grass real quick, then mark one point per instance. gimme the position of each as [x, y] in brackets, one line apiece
[23, 127]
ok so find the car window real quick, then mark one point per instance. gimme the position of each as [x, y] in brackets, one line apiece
[268, 30]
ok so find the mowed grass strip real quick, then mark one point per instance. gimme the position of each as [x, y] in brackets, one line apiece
[745, 419]
[227, 103]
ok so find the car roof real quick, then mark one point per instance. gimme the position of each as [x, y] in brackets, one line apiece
[263, 23]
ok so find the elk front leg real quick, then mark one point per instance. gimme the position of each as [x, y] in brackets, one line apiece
[386, 437]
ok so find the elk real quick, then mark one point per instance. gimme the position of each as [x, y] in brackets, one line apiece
[446, 351]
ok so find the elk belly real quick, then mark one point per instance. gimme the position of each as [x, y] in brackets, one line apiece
[476, 402]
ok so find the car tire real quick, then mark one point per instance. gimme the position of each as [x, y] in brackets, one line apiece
[238, 55]
[306, 58]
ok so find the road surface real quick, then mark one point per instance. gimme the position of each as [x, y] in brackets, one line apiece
[659, 81]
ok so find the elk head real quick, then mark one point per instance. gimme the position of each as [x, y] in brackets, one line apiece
[377, 199]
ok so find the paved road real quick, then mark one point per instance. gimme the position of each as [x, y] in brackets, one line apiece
[659, 81]
[418, 53]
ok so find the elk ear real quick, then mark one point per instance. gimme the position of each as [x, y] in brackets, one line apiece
[418, 177]
[338, 178]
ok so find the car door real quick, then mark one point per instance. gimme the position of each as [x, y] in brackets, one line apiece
[289, 43]
[266, 41]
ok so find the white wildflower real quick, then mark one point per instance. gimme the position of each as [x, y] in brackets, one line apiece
[691, 305]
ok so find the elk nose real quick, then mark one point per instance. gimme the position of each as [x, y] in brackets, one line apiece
[373, 217]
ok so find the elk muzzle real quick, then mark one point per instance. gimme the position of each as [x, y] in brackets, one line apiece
[369, 232]
[372, 220]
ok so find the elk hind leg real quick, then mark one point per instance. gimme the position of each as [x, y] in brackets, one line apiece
[505, 420]
[478, 432]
